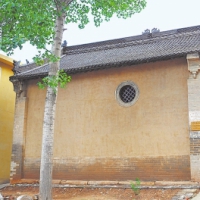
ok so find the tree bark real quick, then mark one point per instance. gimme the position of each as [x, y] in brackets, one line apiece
[46, 165]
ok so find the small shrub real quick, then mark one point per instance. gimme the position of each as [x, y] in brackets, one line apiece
[136, 186]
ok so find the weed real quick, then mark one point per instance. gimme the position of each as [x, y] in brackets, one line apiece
[136, 186]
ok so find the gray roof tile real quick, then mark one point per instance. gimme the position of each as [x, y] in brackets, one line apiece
[124, 51]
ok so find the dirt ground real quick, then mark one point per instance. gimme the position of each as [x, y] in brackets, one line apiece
[93, 193]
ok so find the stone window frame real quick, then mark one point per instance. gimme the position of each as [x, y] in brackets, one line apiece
[117, 93]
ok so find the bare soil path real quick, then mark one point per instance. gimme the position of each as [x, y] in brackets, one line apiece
[93, 193]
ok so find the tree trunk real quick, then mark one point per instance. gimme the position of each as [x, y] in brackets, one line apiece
[46, 165]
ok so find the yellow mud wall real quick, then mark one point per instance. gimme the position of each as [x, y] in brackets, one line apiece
[88, 114]
[7, 102]
[91, 124]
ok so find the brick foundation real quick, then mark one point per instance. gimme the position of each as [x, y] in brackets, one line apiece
[195, 155]
[170, 168]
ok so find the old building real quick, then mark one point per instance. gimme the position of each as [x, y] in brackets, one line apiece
[131, 110]
[7, 105]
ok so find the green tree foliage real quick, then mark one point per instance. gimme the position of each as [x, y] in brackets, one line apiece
[61, 78]
[33, 21]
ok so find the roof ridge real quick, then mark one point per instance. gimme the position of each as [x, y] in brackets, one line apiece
[36, 68]
[130, 43]
[145, 36]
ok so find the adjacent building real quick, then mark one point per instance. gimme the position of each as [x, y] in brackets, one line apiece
[7, 105]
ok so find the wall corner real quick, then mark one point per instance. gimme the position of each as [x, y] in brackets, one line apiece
[193, 83]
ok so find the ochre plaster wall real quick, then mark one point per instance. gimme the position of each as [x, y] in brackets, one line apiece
[96, 138]
[7, 102]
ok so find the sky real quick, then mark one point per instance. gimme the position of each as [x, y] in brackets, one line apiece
[161, 14]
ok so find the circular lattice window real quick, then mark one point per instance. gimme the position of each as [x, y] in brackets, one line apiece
[127, 93]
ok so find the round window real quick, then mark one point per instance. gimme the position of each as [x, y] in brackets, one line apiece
[127, 93]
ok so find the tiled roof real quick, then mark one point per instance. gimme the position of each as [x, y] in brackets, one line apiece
[125, 51]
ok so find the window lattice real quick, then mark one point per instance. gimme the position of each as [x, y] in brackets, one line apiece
[127, 93]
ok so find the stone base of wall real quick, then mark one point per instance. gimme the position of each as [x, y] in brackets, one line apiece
[170, 168]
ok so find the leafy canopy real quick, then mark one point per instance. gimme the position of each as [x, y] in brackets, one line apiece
[33, 21]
